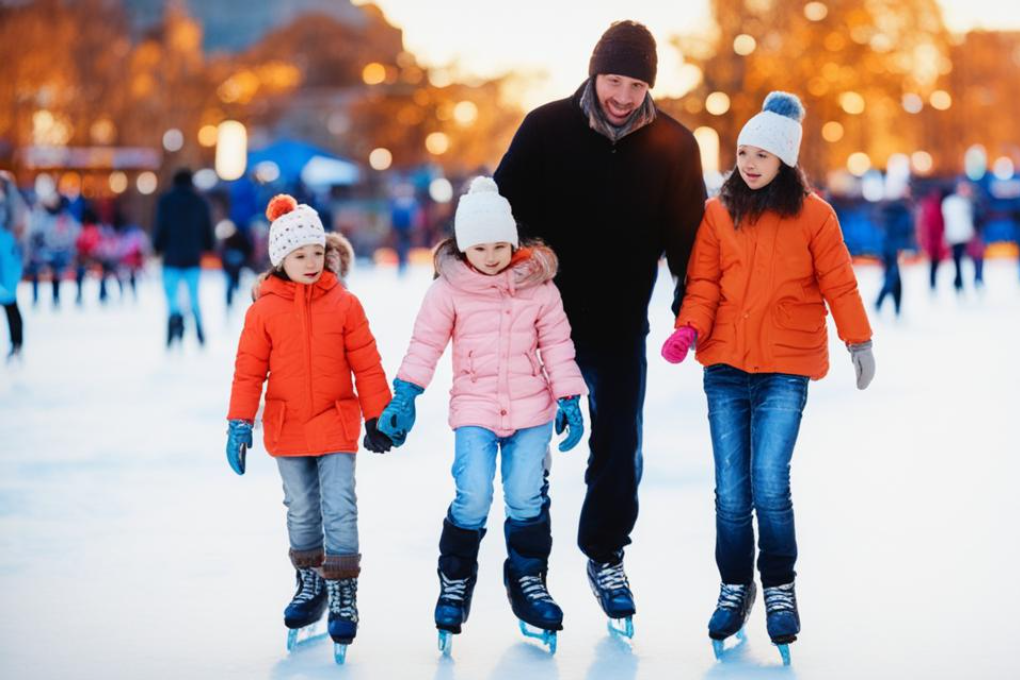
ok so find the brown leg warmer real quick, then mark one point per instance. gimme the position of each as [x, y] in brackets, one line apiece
[306, 558]
[341, 566]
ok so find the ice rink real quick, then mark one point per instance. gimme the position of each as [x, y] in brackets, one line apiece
[129, 549]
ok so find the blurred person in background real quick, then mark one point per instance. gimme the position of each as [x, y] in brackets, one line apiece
[895, 218]
[405, 213]
[53, 232]
[183, 232]
[96, 250]
[133, 247]
[235, 254]
[931, 232]
[958, 215]
[13, 215]
[606, 170]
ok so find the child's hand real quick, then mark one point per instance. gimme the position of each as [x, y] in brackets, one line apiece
[238, 442]
[569, 417]
[397, 419]
[675, 349]
[864, 363]
[375, 441]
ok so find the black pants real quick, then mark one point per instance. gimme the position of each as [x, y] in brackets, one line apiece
[958, 251]
[892, 283]
[14, 322]
[616, 384]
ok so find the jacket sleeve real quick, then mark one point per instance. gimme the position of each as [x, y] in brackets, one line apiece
[519, 175]
[682, 214]
[432, 331]
[837, 282]
[557, 348]
[365, 362]
[250, 367]
[704, 291]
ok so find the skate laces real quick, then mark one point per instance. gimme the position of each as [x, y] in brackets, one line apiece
[780, 599]
[310, 586]
[534, 588]
[731, 596]
[452, 588]
[611, 576]
[342, 598]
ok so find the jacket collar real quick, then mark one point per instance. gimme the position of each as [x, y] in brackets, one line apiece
[274, 285]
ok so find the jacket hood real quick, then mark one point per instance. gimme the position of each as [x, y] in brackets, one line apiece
[535, 265]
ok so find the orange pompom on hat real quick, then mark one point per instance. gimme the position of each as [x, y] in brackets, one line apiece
[292, 226]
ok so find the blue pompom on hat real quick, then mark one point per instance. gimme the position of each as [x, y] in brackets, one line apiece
[777, 128]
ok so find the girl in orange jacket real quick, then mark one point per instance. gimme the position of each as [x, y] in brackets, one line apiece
[768, 258]
[310, 335]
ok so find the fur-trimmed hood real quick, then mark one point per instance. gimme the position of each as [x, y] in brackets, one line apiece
[532, 265]
[339, 258]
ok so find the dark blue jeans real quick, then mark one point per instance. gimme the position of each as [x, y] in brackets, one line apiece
[754, 420]
[615, 376]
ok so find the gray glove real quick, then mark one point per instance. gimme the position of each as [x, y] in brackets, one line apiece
[864, 363]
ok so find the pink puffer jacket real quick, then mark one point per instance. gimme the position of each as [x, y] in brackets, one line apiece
[512, 352]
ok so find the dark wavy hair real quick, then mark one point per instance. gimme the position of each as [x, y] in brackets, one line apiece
[784, 195]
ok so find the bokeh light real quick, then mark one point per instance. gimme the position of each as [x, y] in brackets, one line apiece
[373, 73]
[118, 182]
[380, 159]
[858, 163]
[146, 183]
[437, 143]
[744, 44]
[832, 131]
[717, 103]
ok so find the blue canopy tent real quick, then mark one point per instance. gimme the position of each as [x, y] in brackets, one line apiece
[300, 161]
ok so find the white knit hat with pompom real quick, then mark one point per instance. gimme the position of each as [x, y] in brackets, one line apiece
[483, 216]
[777, 127]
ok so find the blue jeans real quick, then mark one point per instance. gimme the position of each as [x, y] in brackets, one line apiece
[172, 278]
[754, 420]
[525, 469]
[319, 494]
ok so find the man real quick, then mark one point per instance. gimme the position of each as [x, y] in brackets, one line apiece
[610, 182]
[183, 232]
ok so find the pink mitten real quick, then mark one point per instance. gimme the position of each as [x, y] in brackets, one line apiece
[675, 349]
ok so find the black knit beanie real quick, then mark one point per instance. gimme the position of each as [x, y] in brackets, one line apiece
[627, 48]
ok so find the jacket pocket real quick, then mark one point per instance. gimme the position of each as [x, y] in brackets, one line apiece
[808, 317]
[536, 366]
[273, 418]
[350, 417]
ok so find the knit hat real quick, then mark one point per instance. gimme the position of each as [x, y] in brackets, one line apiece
[777, 128]
[627, 48]
[292, 226]
[483, 216]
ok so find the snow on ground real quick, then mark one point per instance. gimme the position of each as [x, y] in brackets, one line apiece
[129, 549]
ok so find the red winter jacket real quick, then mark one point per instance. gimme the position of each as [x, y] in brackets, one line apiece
[310, 339]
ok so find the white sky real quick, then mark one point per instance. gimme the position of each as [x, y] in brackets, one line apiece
[490, 37]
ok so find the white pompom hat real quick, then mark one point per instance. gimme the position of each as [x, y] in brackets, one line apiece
[292, 226]
[483, 216]
[777, 128]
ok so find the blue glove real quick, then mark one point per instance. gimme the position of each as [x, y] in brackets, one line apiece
[397, 419]
[238, 443]
[568, 416]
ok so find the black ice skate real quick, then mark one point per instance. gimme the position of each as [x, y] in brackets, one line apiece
[343, 614]
[610, 586]
[540, 617]
[782, 618]
[731, 612]
[305, 611]
[453, 607]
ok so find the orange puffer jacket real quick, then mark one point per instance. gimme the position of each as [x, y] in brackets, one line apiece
[309, 339]
[756, 296]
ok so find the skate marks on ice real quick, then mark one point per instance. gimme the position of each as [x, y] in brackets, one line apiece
[739, 661]
[614, 660]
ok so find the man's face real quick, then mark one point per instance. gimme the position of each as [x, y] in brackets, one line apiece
[619, 96]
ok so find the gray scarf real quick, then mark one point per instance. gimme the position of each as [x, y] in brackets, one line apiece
[598, 122]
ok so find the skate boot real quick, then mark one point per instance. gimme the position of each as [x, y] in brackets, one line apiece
[174, 329]
[534, 606]
[454, 603]
[735, 602]
[782, 618]
[458, 573]
[307, 607]
[343, 614]
[610, 586]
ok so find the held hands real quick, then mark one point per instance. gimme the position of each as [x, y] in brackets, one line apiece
[375, 441]
[569, 416]
[239, 440]
[397, 419]
[864, 363]
[675, 349]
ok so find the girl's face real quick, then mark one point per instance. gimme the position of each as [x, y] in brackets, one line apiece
[304, 265]
[757, 166]
[490, 258]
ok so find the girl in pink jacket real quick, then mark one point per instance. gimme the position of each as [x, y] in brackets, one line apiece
[514, 376]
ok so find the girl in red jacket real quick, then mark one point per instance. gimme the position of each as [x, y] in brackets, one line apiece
[768, 258]
[310, 335]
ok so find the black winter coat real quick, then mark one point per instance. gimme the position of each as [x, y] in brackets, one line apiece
[609, 211]
[183, 228]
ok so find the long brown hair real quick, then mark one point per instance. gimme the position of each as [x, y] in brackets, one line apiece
[784, 195]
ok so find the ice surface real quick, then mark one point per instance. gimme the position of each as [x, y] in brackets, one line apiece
[129, 549]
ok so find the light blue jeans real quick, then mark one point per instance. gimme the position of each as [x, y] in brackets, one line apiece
[172, 278]
[525, 465]
[321, 504]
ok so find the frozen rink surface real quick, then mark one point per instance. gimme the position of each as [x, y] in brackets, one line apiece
[128, 549]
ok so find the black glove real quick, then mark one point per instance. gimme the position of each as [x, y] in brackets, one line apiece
[375, 441]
